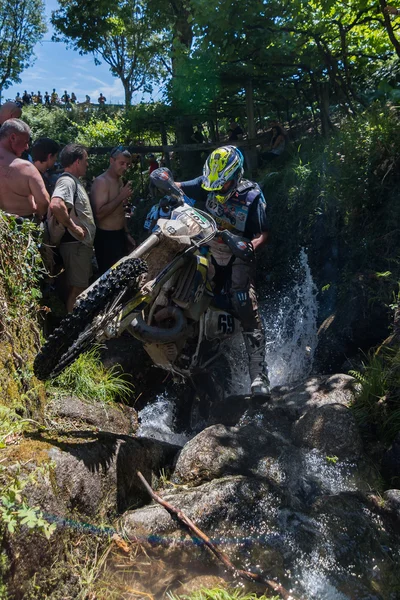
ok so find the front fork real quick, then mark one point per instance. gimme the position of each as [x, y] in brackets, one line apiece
[145, 247]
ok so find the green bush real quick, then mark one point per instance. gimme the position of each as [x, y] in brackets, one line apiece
[56, 123]
[377, 403]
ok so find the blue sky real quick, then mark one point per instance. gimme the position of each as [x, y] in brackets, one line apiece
[58, 67]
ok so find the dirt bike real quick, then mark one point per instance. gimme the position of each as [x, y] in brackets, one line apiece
[166, 301]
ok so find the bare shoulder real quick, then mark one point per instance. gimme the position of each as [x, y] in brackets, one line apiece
[25, 167]
[101, 181]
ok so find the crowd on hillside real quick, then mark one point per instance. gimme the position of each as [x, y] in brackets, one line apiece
[65, 100]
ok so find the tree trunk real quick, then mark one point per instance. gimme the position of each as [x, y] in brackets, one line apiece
[128, 92]
[389, 28]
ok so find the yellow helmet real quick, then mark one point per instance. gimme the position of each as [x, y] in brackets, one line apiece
[224, 165]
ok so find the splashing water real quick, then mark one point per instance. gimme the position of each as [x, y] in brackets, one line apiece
[291, 328]
[157, 421]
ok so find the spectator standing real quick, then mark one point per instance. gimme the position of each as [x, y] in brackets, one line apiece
[39, 98]
[26, 99]
[9, 110]
[101, 99]
[87, 99]
[198, 136]
[22, 191]
[109, 197]
[18, 99]
[65, 98]
[153, 163]
[235, 132]
[44, 155]
[54, 97]
[73, 98]
[47, 99]
[70, 205]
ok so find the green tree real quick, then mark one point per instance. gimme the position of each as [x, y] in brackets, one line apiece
[119, 33]
[21, 26]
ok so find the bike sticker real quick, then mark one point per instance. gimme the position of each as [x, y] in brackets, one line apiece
[226, 324]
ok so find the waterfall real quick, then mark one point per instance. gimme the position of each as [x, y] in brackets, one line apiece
[290, 322]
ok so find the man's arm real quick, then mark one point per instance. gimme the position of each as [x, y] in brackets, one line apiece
[101, 204]
[38, 191]
[60, 211]
[260, 240]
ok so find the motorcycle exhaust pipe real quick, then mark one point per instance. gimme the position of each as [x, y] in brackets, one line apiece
[155, 334]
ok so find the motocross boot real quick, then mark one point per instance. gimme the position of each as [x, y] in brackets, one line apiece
[255, 346]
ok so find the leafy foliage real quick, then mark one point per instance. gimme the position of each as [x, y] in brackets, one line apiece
[14, 510]
[21, 26]
[377, 404]
[88, 379]
[19, 279]
[56, 123]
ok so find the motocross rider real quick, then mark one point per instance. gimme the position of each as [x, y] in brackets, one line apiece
[238, 205]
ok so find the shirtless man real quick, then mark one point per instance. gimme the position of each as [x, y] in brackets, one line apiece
[109, 197]
[22, 191]
[9, 110]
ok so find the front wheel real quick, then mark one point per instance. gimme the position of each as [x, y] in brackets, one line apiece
[79, 329]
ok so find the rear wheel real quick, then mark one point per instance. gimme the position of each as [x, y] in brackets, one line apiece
[80, 328]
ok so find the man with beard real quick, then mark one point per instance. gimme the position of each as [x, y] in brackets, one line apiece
[109, 197]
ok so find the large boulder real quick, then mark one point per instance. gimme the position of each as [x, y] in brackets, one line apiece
[70, 412]
[218, 451]
[89, 474]
[316, 392]
[330, 428]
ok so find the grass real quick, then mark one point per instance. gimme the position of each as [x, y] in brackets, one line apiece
[88, 379]
[221, 594]
[377, 404]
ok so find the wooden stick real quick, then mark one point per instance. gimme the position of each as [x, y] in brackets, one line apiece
[254, 577]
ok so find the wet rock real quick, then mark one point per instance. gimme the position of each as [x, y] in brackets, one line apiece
[392, 498]
[391, 463]
[330, 428]
[94, 475]
[316, 392]
[71, 412]
[228, 510]
[253, 525]
[218, 451]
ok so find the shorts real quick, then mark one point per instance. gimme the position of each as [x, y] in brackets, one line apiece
[77, 259]
[110, 245]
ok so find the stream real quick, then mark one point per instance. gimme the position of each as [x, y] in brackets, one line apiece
[294, 513]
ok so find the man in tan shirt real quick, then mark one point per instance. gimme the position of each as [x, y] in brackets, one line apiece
[109, 197]
[71, 207]
[22, 191]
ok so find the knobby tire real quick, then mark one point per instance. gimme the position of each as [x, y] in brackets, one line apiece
[61, 348]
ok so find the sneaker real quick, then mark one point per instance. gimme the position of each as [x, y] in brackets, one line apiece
[260, 386]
